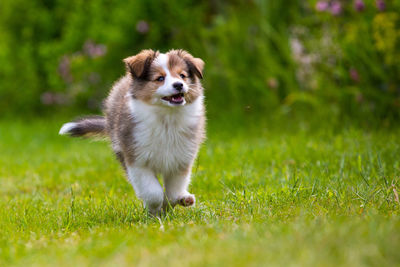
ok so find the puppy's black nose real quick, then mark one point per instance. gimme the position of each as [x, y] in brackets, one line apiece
[178, 86]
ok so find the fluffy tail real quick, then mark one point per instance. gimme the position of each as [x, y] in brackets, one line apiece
[86, 126]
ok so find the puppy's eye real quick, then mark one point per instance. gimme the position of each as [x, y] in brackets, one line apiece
[182, 76]
[160, 78]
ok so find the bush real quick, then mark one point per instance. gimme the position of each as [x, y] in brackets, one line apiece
[260, 55]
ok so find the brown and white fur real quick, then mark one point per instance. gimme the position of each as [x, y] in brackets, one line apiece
[154, 116]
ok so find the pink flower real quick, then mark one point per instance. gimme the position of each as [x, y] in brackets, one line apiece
[50, 98]
[380, 5]
[142, 27]
[322, 6]
[47, 98]
[359, 5]
[94, 50]
[336, 8]
[354, 75]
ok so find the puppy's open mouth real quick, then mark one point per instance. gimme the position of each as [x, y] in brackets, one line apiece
[175, 99]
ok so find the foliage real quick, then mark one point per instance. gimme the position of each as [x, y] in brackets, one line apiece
[289, 194]
[341, 56]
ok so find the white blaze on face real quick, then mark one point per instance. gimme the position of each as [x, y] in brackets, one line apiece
[167, 88]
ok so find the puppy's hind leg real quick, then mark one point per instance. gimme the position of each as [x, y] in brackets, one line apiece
[147, 188]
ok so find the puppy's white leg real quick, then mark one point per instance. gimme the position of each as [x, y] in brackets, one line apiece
[147, 188]
[176, 189]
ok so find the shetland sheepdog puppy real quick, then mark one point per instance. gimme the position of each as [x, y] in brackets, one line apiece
[155, 119]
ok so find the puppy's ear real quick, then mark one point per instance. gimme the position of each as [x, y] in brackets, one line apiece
[195, 64]
[139, 64]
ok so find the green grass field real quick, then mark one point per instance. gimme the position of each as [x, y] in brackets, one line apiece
[296, 195]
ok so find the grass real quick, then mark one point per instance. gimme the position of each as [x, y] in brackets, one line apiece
[295, 195]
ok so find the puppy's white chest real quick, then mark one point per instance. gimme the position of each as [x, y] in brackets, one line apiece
[163, 148]
[165, 142]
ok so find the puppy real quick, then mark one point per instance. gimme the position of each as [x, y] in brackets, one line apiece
[155, 118]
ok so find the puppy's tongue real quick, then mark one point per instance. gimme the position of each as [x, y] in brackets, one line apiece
[177, 98]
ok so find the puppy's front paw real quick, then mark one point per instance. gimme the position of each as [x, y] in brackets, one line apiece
[187, 200]
[154, 207]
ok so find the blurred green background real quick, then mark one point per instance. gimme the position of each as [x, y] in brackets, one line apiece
[337, 58]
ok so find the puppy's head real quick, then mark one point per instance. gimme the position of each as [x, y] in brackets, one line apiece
[171, 79]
